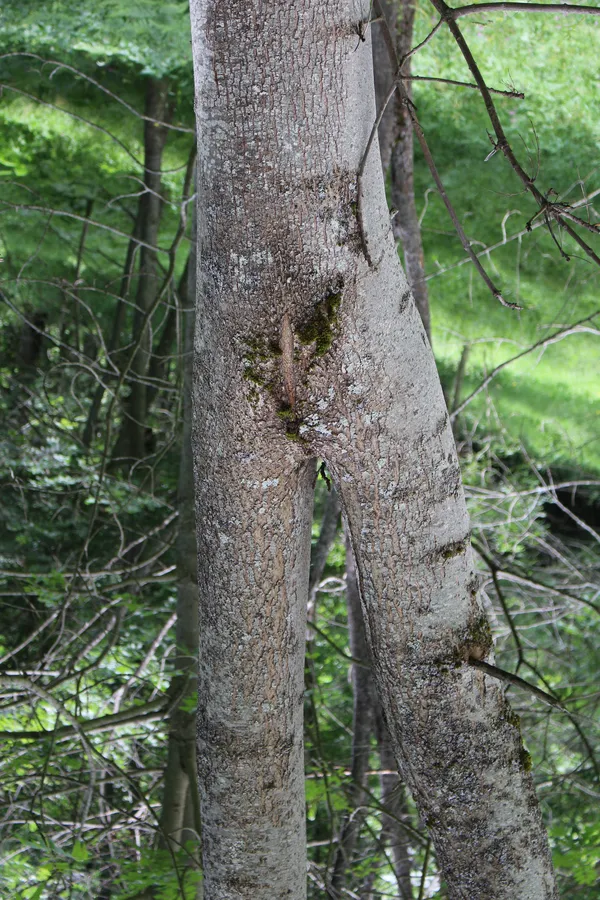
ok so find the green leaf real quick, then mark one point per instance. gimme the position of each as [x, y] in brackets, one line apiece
[80, 852]
[189, 704]
[33, 893]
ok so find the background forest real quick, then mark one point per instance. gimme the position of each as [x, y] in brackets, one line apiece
[97, 554]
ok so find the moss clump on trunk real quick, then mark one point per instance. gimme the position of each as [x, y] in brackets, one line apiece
[320, 327]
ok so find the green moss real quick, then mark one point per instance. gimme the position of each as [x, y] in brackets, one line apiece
[513, 719]
[258, 362]
[250, 374]
[480, 633]
[320, 327]
[454, 549]
[286, 413]
[525, 759]
[475, 641]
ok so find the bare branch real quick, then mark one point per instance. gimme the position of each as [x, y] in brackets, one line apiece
[502, 675]
[448, 14]
[411, 111]
[62, 65]
[560, 8]
[148, 712]
[519, 95]
[556, 336]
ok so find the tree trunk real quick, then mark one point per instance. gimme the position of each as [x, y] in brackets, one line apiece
[394, 800]
[180, 773]
[116, 330]
[367, 719]
[131, 443]
[309, 345]
[396, 143]
[31, 340]
[362, 728]
[320, 552]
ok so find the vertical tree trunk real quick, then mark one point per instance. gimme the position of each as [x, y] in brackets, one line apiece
[180, 774]
[31, 340]
[309, 345]
[131, 443]
[319, 554]
[367, 719]
[116, 330]
[362, 728]
[393, 799]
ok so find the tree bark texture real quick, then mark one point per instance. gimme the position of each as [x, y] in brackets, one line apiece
[396, 143]
[309, 344]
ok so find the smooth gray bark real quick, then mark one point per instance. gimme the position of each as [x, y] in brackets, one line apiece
[309, 345]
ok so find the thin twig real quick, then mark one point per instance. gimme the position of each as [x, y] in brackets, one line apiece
[397, 84]
[423, 43]
[519, 95]
[507, 240]
[557, 335]
[339, 650]
[510, 678]
[561, 8]
[448, 14]
[78, 218]
[454, 218]
[61, 65]
[424, 870]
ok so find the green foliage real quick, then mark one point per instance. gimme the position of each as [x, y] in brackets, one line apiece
[169, 875]
[582, 862]
[151, 35]
[549, 399]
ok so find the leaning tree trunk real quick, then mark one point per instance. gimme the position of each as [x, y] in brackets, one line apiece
[393, 37]
[308, 344]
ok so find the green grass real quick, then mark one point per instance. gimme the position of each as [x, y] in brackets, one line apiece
[549, 400]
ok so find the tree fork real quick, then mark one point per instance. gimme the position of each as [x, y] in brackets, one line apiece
[287, 296]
